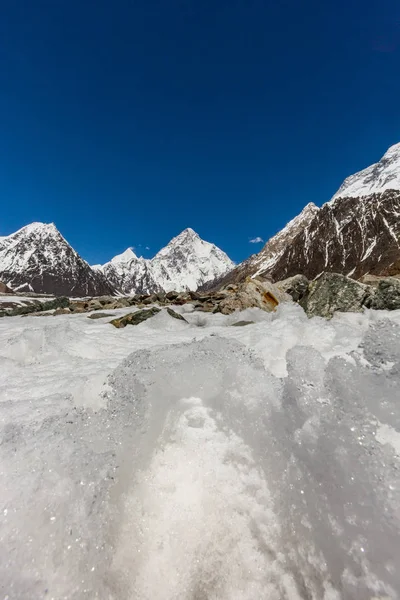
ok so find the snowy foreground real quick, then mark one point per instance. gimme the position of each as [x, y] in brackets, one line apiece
[174, 461]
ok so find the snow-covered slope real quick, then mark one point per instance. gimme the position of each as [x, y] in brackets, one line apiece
[187, 262]
[272, 251]
[357, 232]
[169, 461]
[130, 274]
[383, 175]
[37, 258]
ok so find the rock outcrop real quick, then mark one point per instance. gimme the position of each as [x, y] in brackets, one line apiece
[333, 292]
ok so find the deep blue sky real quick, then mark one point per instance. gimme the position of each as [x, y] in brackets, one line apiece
[126, 121]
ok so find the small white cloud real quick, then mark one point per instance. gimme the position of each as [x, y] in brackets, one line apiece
[147, 247]
[256, 240]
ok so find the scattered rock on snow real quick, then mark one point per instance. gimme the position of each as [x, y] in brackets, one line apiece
[135, 318]
[242, 323]
[175, 315]
[99, 315]
[332, 292]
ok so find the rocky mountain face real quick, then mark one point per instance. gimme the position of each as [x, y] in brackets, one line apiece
[38, 259]
[265, 260]
[130, 274]
[186, 263]
[356, 233]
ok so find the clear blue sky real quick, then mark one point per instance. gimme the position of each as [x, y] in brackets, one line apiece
[126, 121]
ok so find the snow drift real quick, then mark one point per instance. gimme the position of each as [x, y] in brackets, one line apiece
[212, 462]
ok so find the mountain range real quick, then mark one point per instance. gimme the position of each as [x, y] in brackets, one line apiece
[355, 233]
[37, 258]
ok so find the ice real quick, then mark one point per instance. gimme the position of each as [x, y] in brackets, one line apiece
[188, 461]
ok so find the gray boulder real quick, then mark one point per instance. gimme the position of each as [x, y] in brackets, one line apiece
[296, 286]
[331, 292]
[386, 296]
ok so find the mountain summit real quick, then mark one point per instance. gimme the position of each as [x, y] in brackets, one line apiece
[37, 258]
[187, 262]
[379, 177]
[356, 233]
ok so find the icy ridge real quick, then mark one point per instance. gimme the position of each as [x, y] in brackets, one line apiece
[381, 176]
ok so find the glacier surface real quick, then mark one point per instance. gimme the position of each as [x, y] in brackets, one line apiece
[199, 461]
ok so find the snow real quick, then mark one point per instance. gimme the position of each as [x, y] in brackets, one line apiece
[277, 245]
[173, 461]
[185, 263]
[125, 257]
[384, 175]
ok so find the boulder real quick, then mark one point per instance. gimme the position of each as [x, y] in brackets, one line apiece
[386, 296]
[172, 295]
[296, 286]
[36, 306]
[161, 297]
[62, 311]
[175, 315]
[99, 315]
[181, 299]
[332, 292]
[150, 299]
[4, 289]
[135, 318]
[253, 293]
[242, 323]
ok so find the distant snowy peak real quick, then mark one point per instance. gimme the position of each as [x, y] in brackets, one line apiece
[38, 258]
[125, 257]
[379, 177]
[186, 262]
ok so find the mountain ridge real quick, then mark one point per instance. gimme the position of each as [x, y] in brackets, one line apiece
[38, 258]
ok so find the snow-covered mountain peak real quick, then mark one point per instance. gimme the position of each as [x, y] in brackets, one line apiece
[379, 177]
[124, 257]
[37, 257]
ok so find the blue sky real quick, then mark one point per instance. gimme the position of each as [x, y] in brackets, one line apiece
[125, 122]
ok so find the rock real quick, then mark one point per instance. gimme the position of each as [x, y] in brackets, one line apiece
[194, 295]
[253, 293]
[62, 311]
[150, 299]
[180, 300]
[99, 315]
[242, 323]
[95, 305]
[135, 318]
[79, 306]
[161, 297]
[386, 296]
[332, 292]
[205, 307]
[36, 306]
[175, 315]
[296, 286]
[172, 295]
[4, 289]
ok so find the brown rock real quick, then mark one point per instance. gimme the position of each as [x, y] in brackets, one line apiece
[4, 289]
[62, 311]
[253, 293]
